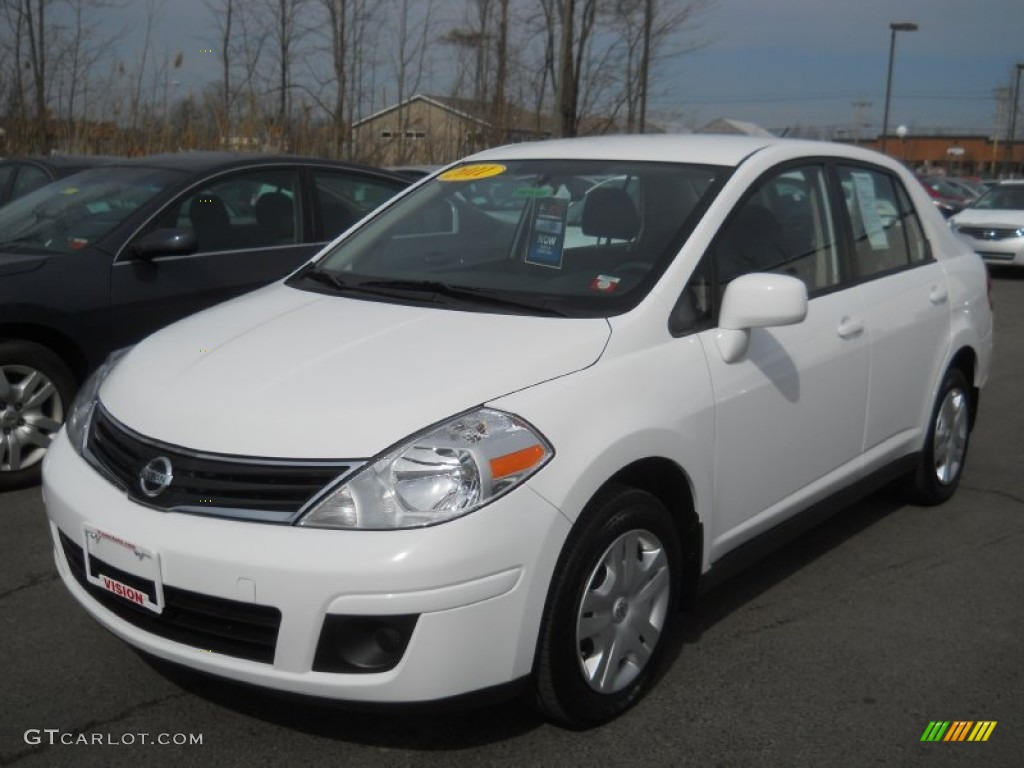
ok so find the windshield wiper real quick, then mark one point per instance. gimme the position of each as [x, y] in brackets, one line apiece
[425, 290]
[23, 241]
[459, 292]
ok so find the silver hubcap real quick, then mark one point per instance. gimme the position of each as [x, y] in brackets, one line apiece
[31, 414]
[950, 436]
[623, 611]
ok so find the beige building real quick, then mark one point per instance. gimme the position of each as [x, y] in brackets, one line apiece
[433, 130]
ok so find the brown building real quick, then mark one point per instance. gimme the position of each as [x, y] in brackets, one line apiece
[954, 155]
[433, 130]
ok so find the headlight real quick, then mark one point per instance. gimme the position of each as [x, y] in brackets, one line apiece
[443, 473]
[77, 422]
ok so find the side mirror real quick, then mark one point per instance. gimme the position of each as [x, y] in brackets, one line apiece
[758, 300]
[165, 242]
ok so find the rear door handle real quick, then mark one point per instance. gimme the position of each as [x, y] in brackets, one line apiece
[850, 327]
[938, 294]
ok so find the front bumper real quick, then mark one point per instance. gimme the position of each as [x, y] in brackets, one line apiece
[476, 587]
[1007, 251]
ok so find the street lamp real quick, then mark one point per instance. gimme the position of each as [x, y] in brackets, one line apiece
[1013, 117]
[896, 26]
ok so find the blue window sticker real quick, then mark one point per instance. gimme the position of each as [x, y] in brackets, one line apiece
[547, 234]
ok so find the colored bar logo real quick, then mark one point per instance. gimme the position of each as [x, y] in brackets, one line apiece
[958, 730]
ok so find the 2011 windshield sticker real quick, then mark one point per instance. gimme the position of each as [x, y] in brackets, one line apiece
[473, 172]
[548, 233]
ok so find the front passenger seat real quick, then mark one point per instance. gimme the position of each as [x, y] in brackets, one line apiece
[210, 222]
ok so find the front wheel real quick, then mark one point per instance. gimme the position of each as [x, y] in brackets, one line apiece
[610, 606]
[945, 446]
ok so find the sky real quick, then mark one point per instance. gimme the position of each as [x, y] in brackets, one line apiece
[784, 64]
[781, 63]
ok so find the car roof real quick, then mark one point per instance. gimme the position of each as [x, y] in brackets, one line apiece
[59, 162]
[199, 162]
[710, 149]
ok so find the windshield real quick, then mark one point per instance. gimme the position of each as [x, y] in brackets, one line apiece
[72, 213]
[567, 237]
[1002, 198]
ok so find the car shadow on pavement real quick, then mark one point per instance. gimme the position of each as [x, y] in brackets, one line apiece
[479, 720]
[457, 724]
[1004, 272]
[761, 575]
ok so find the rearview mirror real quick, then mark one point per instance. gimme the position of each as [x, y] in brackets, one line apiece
[165, 242]
[757, 300]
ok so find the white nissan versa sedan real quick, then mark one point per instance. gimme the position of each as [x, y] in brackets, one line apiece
[480, 442]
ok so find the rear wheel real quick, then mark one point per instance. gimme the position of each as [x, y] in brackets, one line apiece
[610, 606]
[945, 447]
[36, 388]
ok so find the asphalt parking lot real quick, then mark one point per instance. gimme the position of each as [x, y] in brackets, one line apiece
[839, 649]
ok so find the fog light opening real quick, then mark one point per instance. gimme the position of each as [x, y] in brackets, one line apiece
[363, 644]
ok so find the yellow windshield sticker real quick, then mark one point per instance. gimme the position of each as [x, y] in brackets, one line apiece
[472, 172]
[69, 190]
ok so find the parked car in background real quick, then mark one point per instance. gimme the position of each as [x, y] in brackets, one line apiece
[948, 198]
[108, 255]
[970, 189]
[21, 175]
[994, 224]
[414, 172]
[482, 442]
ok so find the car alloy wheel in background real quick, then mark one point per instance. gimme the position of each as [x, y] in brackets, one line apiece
[35, 390]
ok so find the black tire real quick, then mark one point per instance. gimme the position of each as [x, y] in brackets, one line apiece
[571, 685]
[945, 447]
[26, 424]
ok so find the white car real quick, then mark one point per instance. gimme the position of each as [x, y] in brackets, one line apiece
[993, 225]
[454, 453]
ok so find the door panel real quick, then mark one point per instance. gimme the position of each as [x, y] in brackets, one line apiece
[907, 304]
[791, 411]
[787, 414]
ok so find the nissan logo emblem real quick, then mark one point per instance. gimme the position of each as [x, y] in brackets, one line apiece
[156, 476]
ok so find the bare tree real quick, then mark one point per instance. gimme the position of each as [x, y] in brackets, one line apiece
[224, 15]
[349, 31]
[285, 33]
[484, 61]
[654, 31]
[411, 36]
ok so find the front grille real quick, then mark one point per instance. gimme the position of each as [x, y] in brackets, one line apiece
[990, 233]
[269, 490]
[242, 630]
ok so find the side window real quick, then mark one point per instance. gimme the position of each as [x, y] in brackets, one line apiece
[29, 178]
[887, 234]
[344, 198]
[6, 172]
[254, 209]
[916, 242]
[784, 226]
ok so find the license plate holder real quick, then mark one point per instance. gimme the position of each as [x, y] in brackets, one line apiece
[123, 568]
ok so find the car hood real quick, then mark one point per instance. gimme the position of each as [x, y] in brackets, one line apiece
[291, 374]
[15, 263]
[974, 217]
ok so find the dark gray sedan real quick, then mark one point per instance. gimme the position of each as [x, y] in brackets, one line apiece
[102, 258]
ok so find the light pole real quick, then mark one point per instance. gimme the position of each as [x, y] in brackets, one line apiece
[896, 26]
[1013, 118]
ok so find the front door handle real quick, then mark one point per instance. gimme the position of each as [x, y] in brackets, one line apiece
[938, 294]
[850, 327]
